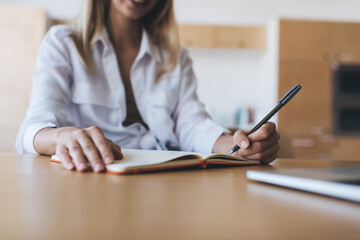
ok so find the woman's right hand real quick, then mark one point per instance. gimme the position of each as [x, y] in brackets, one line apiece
[75, 147]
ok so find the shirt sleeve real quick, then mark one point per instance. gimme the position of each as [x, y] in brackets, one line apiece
[50, 95]
[194, 127]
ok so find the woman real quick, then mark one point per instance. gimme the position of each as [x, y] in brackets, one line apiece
[119, 78]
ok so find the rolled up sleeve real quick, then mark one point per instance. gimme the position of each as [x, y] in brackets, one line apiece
[194, 127]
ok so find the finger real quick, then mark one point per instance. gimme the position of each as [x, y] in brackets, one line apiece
[270, 159]
[266, 154]
[65, 158]
[102, 144]
[90, 151]
[261, 146]
[77, 156]
[263, 132]
[116, 151]
[241, 139]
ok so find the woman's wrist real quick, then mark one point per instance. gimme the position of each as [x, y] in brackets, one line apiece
[45, 140]
[223, 144]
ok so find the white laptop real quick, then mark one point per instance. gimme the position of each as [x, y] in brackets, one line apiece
[341, 182]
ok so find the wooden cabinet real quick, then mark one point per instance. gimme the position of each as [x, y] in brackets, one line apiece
[307, 50]
[304, 41]
[241, 37]
[207, 36]
[197, 36]
[346, 148]
[311, 107]
[345, 42]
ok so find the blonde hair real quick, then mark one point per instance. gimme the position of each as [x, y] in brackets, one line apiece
[159, 23]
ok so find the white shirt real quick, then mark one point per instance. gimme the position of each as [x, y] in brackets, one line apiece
[64, 93]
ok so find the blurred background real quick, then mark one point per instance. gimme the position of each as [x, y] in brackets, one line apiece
[246, 55]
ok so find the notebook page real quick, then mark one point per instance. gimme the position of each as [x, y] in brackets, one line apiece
[137, 158]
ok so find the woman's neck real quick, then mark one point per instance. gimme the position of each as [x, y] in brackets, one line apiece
[124, 33]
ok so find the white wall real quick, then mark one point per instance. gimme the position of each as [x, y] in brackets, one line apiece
[59, 9]
[231, 79]
[262, 11]
[228, 11]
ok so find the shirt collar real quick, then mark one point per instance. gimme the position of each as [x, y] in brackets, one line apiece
[146, 45]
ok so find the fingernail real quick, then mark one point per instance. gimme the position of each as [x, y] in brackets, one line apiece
[108, 160]
[244, 144]
[98, 167]
[69, 165]
[82, 166]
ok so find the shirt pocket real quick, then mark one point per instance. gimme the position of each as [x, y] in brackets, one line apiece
[87, 94]
[95, 106]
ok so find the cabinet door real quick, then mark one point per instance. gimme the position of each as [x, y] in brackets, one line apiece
[304, 41]
[346, 148]
[241, 37]
[345, 42]
[197, 36]
[311, 107]
[207, 36]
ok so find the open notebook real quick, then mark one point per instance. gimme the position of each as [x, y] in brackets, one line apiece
[136, 161]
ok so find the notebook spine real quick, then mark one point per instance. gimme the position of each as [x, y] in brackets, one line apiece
[204, 163]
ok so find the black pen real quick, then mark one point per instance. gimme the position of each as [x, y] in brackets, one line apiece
[289, 95]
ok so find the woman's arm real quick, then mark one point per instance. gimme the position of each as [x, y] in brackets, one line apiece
[261, 145]
[45, 129]
[194, 127]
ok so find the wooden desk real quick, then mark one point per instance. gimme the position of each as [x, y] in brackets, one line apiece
[41, 200]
